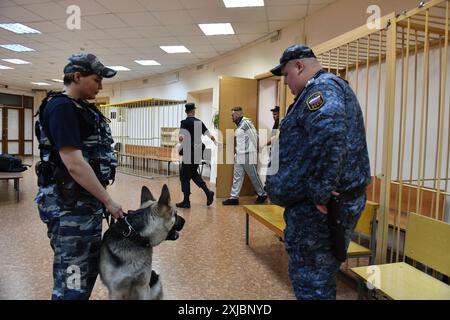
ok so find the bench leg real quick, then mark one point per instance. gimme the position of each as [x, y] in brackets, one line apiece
[362, 290]
[247, 229]
[16, 187]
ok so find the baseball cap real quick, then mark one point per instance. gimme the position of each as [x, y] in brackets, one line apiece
[189, 106]
[296, 51]
[87, 62]
[276, 109]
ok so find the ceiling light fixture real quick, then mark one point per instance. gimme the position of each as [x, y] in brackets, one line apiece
[213, 29]
[16, 61]
[175, 49]
[16, 47]
[243, 3]
[18, 28]
[118, 68]
[148, 62]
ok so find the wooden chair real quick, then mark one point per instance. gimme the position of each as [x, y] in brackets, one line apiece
[366, 226]
[427, 242]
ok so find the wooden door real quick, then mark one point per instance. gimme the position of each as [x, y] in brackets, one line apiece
[233, 92]
[16, 128]
[2, 131]
[11, 130]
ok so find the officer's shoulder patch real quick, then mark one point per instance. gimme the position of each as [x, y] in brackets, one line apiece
[315, 101]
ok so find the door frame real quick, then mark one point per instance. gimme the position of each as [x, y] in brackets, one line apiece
[21, 129]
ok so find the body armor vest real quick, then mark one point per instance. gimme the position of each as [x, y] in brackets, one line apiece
[97, 148]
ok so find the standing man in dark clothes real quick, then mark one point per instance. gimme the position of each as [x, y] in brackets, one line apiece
[191, 131]
[276, 124]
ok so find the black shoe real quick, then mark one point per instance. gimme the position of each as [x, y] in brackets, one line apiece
[210, 198]
[261, 199]
[183, 204]
[231, 202]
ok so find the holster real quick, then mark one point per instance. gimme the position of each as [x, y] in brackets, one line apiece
[336, 229]
[45, 173]
[68, 188]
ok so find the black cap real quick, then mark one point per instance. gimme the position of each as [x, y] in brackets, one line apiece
[276, 109]
[296, 51]
[189, 106]
[87, 62]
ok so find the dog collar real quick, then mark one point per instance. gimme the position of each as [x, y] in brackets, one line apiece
[129, 232]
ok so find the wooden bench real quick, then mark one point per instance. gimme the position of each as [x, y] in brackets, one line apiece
[16, 176]
[162, 154]
[271, 216]
[428, 200]
[427, 242]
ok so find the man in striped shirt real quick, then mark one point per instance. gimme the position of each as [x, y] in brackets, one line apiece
[246, 158]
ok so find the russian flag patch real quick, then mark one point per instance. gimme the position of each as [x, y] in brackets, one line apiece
[315, 102]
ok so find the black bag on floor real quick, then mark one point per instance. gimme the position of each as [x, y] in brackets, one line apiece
[9, 163]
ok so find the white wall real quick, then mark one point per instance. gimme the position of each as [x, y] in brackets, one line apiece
[428, 118]
[205, 113]
[267, 99]
[204, 108]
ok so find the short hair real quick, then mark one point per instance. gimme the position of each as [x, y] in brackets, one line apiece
[70, 77]
[237, 109]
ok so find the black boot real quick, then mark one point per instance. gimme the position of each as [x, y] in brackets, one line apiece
[209, 195]
[185, 203]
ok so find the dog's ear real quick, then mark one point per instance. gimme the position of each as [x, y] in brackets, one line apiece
[164, 199]
[146, 195]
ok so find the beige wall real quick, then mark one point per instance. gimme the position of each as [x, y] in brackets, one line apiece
[345, 15]
[323, 25]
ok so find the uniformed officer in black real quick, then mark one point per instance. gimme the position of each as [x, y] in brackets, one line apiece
[276, 124]
[191, 131]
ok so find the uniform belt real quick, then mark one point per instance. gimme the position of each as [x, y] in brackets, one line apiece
[352, 194]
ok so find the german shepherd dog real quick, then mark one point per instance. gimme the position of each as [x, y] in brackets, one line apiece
[127, 247]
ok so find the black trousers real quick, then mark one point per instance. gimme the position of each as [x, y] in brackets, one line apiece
[189, 172]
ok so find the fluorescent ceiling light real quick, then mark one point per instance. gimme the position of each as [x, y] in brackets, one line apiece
[175, 49]
[16, 47]
[41, 83]
[57, 80]
[5, 67]
[18, 28]
[148, 62]
[16, 61]
[243, 3]
[212, 29]
[118, 68]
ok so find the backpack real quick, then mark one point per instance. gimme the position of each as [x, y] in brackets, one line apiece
[10, 163]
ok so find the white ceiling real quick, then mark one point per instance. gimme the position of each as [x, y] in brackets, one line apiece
[119, 32]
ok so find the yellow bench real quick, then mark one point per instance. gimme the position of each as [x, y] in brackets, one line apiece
[271, 216]
[427, 242]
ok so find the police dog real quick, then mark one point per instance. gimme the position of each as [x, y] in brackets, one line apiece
[127, 246]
